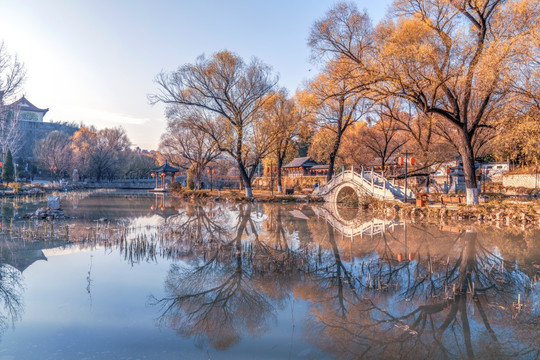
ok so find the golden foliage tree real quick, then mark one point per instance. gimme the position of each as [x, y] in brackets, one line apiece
[450, 58]
[335, 101]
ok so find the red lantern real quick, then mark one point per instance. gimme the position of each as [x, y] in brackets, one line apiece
[214, 171]
[0, 164]
[480, 172]
[487, 171]
[400, 257]
[153, 175]
[209, 171]
[275, 169]
[412, 161]
[448, 170]
[411, 256]
[268, 169]
[400, 160]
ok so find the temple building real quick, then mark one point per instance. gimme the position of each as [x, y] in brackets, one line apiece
[305, 166]
[26, 111]
[32, 125]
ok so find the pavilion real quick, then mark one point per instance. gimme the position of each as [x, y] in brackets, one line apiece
[162, 172]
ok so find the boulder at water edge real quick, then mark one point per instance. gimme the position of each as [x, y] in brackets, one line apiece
[53, 202]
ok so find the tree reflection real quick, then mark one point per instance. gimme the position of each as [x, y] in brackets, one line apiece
[11, 283]
[227, 295]
[413, 292]
[428, 307]
[10, 296]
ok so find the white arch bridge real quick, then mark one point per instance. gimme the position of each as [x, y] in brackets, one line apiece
[363, 183]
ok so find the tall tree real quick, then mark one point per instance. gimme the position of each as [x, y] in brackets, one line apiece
[108, 155]
[335, 101]
[12, 76]
[285, 117]
[451, 59]
[227, 94]
[101, 153]
[83, 143]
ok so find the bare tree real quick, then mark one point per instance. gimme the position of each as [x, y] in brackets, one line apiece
[55, 153]
[383, 137]
[101, 153]
[227, 95]
[12, 76]
[187, 146]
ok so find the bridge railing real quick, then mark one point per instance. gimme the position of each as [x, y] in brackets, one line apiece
[370, 181]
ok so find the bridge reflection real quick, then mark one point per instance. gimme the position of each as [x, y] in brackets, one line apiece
[356, 226]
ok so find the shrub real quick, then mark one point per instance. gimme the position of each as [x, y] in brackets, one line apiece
[16, 186]
[175, 187]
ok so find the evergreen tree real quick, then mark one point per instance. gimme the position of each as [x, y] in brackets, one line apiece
[8, 172]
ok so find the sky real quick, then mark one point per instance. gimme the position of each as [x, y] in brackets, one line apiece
[94, 62]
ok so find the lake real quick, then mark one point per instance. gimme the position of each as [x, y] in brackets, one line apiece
[143, 276]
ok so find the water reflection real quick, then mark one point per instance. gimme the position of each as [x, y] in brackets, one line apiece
[374, 288]
[223, 295]
[388, 290]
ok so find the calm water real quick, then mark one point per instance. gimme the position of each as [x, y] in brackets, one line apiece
[146, 277]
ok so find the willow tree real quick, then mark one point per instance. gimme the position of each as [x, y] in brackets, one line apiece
[227, 95]
[454, 59]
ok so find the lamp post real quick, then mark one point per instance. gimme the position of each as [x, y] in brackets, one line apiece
[447, 180]
[480, 173]
[401, 161]
[211, 172]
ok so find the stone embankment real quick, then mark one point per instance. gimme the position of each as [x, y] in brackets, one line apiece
[503, 214]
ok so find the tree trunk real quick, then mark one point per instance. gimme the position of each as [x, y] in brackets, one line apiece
[467, 156]
[244, 176]
[279, 185]
[332, 159]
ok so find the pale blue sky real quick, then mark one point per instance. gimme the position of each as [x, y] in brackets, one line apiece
[95, 61]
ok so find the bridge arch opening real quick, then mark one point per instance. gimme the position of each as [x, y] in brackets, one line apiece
[348, 197]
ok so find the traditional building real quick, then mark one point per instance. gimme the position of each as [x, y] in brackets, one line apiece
[305, 166]
[32, 126]
[24, 110]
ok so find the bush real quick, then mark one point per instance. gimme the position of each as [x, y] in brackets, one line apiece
[175, 187]
[16, 186]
